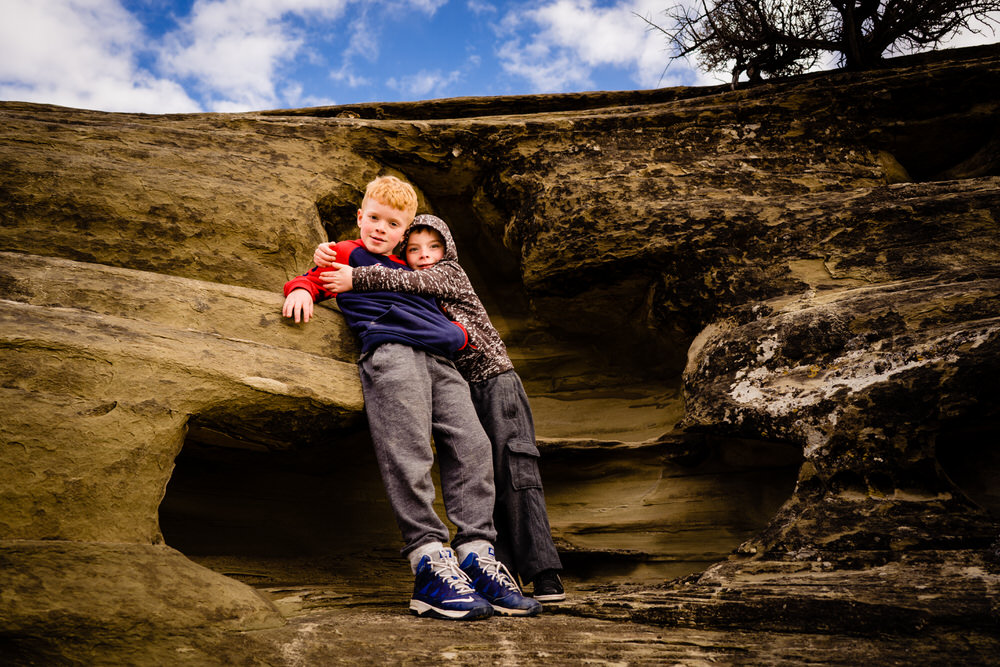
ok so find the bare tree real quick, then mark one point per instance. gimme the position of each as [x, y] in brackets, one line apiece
[782, 37]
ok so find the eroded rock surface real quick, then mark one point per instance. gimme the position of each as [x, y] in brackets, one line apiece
[759, 329]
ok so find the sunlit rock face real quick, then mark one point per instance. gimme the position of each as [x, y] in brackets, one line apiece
[759, 329]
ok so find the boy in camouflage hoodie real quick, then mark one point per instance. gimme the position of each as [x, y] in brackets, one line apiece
[524, 540]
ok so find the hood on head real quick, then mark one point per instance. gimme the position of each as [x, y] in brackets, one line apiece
[423, 221]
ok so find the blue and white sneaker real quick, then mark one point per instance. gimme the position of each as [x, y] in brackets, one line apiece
[442, 590]
[493, 581]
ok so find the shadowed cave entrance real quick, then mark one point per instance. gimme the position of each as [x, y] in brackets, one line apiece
[316, 515]
[312, 513]
[967, 454]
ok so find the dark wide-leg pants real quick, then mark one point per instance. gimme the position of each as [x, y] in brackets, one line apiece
[524, 538]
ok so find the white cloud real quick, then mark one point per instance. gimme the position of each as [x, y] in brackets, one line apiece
[424, 83]
[569, 39]
[479, 7]
[80, 53]
[223, 55]
[434, 83]
[426, 6]
[233, 49]
[361, 38]
[559, 45]
[364, 36]
[293, 95]
[346, 76]
[546, 70]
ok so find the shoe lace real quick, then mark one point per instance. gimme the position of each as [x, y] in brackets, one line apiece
[448, 569]
[498, 571]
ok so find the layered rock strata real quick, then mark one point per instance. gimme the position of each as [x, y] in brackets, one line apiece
[796, 281]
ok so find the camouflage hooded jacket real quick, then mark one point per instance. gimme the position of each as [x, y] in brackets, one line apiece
[486, 355]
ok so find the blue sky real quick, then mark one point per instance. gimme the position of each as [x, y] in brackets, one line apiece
[175, 56]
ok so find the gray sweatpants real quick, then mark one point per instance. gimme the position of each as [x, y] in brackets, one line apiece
[524, 540]
[411, 395]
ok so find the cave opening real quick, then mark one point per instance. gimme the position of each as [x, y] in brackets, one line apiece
[967, 453]
[316, 515]
[313, 512]
[655, 511]
[942, 150]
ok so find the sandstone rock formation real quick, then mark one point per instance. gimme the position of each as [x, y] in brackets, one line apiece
[762, 321]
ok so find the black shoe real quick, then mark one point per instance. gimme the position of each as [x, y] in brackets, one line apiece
[548, 587]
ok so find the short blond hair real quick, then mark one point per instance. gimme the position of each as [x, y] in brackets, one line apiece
[393, 192]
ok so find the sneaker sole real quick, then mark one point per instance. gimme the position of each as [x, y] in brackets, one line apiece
[551, 597]
[504, 611]
[424, 610]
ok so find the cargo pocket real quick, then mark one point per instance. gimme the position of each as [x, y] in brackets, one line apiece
[522, 458]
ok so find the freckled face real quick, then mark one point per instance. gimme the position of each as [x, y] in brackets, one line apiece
[381, 226]
[424, 249]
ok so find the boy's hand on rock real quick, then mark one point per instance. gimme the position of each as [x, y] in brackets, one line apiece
[298, 304]
[341, 279]
[323, 256]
